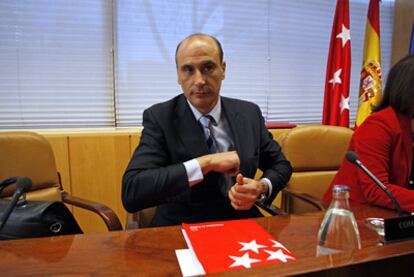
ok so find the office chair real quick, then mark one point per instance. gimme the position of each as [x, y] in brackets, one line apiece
[30, 155]
[315, 152]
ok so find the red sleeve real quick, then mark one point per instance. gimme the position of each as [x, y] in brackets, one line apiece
[375, 143]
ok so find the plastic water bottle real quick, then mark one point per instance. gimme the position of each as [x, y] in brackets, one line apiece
[339, 230]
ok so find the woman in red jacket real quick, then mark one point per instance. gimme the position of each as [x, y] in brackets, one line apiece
[384, 144]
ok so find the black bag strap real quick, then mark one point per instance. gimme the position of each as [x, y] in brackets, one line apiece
[7, 182]
[22, 183]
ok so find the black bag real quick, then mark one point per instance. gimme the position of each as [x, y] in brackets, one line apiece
[31, 219]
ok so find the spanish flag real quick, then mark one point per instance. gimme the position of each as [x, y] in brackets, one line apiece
[370, 90]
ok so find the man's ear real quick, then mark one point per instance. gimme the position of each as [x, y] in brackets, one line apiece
[223, 65]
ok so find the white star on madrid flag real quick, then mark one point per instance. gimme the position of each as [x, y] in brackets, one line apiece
[344, 104]
[345, 35]
[278, 245]
[336, 79]
[244, 260]
[251, 246]
[278, 255]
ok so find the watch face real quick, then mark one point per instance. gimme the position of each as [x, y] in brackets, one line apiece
[261, 198]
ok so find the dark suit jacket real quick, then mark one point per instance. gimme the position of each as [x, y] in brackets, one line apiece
[384, 145]
[156, 175]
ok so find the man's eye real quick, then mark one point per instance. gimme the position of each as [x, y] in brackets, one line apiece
[188, 70]
[208, 68]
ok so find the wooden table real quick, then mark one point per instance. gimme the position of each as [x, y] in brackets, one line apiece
[151, 252]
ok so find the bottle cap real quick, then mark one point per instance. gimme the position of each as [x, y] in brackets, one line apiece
[338, 188]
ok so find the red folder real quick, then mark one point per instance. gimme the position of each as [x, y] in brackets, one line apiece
[227, 245]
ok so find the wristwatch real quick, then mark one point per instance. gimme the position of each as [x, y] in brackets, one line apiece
[261, 198]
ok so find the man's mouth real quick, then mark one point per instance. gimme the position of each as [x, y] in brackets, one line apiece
[200, 92]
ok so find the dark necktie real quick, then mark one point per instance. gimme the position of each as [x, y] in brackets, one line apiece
[206, 122]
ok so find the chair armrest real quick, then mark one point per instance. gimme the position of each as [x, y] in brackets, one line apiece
[272, 209]
[305, 197]
[107, 214]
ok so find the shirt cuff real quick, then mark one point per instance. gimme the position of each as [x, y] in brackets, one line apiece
[269, 183]
[194, 173]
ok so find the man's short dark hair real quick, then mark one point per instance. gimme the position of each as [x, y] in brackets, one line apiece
[399, 89]
[221, 54]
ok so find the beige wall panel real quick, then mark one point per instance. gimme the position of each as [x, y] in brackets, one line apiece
[97, 165]
[403, 20]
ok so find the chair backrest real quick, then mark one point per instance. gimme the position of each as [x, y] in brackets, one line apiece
[30, 155]
[315, 152]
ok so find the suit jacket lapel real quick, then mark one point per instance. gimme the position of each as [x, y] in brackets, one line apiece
[189, 130]
[237, 126]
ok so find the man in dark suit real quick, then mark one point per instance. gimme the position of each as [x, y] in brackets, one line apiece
[195, 170]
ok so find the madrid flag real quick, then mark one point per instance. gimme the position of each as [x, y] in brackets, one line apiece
[370, 90]
[338, 71]
[226, 245]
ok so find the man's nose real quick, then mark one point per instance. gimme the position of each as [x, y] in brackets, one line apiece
[199, 78]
